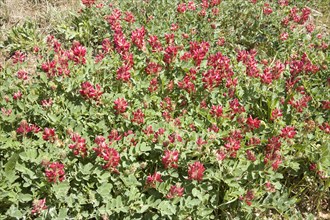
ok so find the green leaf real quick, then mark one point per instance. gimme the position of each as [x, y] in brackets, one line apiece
[11, 163]
[144, 148]
[105, 190]
[14, 212]
[61, 189]
[25, 197]
[25, 170]
[166, 208]
[62, 213]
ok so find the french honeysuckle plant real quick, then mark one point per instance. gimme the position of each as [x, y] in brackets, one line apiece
[169, 110]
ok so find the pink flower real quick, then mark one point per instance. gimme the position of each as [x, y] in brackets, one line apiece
[25, 128]
[310, 28]
[6, 112]
[276, 113]
[191, 6]
[46, 103]
[153, 179]
[89, 92]
[253, 123]
[254, 141]
[88, 3]
[236, 107]
[221, 155]
[216, 111]
[196, 171]
[270, 187]
[181, 8]
[249, 196]
[283, 2]
[325, 127]
[123, 73]
[79, 145]
[138, 37]
[114, 136]
[138, 117]
[153, 68]
[175, 191]
[284, 36]
[170, 159]
[155, 43]
[17, 95]
[250, 155]
[49, 134]
[18, 57]
[200, 142]
[21, 74]
[38, 206]
[267, 10]
[129, 17]
[77, 53]
[120, 105]
[110, 155]
[55, 172]
[288, 132]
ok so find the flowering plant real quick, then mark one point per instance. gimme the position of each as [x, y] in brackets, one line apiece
[202, 109]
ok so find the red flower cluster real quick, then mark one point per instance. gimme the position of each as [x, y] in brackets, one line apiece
[129, 17]
[153, 179]
[170, 54]
[138, 38]
[59, 65]
[110, 155]
[288, 132]
[46, 103]
[18, 57]
[250, 155]
[25, 128]
[79, 145]
[138, 117]
[170, 159]
[273, 154]
[78, 53]
[17, 95]
[216, 111]
[233, 143]
[253, 123]
[325, 127]
[248, 59]
[196, 171]
[175, 191]
[38, 206]
[21, 74]
[120, 105]
[49, 135]
[305, 12]
[220, 69]
[6, 112]
[267, 10]
[236, 107]
[155, 44]
[187, 83]
[249, 196]
[89, 92]
[55, 172]
[153, 68]
[88, 3]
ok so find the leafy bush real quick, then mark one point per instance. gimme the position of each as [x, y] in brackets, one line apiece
[169, 109]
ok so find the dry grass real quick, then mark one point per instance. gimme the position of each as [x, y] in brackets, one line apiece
[45, 13]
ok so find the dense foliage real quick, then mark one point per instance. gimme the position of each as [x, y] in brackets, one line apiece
[166, 109]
